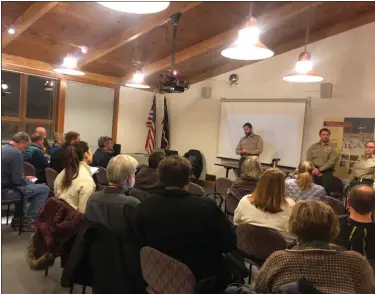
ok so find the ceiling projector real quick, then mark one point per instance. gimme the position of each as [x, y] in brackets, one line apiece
[171, 83]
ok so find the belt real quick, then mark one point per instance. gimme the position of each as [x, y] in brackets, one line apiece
[362, 179]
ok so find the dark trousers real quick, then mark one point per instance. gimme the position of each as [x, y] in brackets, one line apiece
[325, 180]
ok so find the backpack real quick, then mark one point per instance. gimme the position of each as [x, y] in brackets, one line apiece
[196, 160]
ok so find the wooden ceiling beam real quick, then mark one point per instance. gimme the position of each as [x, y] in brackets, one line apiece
[35, 12]
[291, 45]
[35, 67]
[269, 20]
[146, 24]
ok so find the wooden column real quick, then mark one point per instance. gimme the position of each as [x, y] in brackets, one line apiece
[61, 107]
[116, 104]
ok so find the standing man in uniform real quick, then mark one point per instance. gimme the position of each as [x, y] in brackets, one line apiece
[251, 144]
[363, 171]
[324, 156]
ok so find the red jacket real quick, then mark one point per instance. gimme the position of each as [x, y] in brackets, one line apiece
[56, 226]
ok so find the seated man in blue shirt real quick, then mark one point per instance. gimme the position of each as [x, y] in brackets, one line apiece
[35, 156]
[13, 182]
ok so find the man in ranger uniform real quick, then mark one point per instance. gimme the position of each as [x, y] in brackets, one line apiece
[251, 144]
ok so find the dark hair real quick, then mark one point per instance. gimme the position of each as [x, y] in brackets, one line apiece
[21, 137]
[174, 171]
[362, 199]
[248, 125]
[70, 136]
[371, 141]
[36, 137]
[155, 158]
[103, 140]
[324, 130]
[73, 155]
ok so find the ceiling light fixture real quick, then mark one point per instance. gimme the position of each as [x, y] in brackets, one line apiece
[137, 81]
[84, 49]
[247, 46]
[137, 7]
[69, 67]
[11, 31]
[303, 71]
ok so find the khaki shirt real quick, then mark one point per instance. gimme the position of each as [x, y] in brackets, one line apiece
[364, 168]
[253, 144]
[323, 156]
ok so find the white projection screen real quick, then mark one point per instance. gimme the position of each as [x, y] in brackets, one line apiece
[279, 122]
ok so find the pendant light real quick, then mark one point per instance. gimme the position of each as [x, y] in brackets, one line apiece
[137, 7]
[303, 71]
[247, 46]
[137, 81]
[69, 67]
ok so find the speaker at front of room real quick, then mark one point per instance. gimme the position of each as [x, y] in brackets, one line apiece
[326, 90]
[116, 149]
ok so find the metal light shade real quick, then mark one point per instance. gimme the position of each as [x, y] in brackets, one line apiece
[137, 7]
[69, 71]
[303, 72]
[137, 81]
[247, 46]
[69, 67]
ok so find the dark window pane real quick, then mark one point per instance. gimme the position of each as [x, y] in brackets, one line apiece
[8, 130]
[10, 93]
[40, 93]
[30, 129]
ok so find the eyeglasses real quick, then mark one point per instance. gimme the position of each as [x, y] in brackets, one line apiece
[370, 147]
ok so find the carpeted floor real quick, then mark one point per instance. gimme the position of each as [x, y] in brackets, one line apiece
[17, 277]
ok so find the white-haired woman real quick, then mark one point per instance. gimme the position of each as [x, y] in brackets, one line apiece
[111, 207]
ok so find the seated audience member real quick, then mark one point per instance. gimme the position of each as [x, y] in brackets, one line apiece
[58, 142]
[267, 206]
[35, 156]
[57, 159]
[110, 207]
[75, 184]
[147, 178]
[303, 188]
[357, 231]
[251, 170]
[42, 131]
[189, 228]
[13, 182]
[326, 266]
[105, 152]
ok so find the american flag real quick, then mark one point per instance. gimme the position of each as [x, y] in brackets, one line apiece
[151, 121]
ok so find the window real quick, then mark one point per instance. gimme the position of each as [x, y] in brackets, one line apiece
[28, 102]
[10, 93]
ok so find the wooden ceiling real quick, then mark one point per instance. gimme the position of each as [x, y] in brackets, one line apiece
[116, 39]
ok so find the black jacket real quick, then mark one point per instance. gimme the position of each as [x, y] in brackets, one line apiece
[57, 159]
[108, 262]
[189, 228]
[102, 157]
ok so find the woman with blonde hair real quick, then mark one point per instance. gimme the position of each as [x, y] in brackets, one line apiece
[58, 142]
[303, 188]
[251, 171]
[315, 260]
[267, 206]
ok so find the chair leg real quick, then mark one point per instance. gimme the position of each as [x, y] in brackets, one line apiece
[8, 213]
[71, 289]
[46, 272]
[83, 289]
[250, 271]
[21, 216]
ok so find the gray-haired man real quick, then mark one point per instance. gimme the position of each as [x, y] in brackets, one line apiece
[13, 182]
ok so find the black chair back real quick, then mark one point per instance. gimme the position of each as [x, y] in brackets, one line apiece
[51, 175]
[336, 188]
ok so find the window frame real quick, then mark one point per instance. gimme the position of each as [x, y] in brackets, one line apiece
[21, 119]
